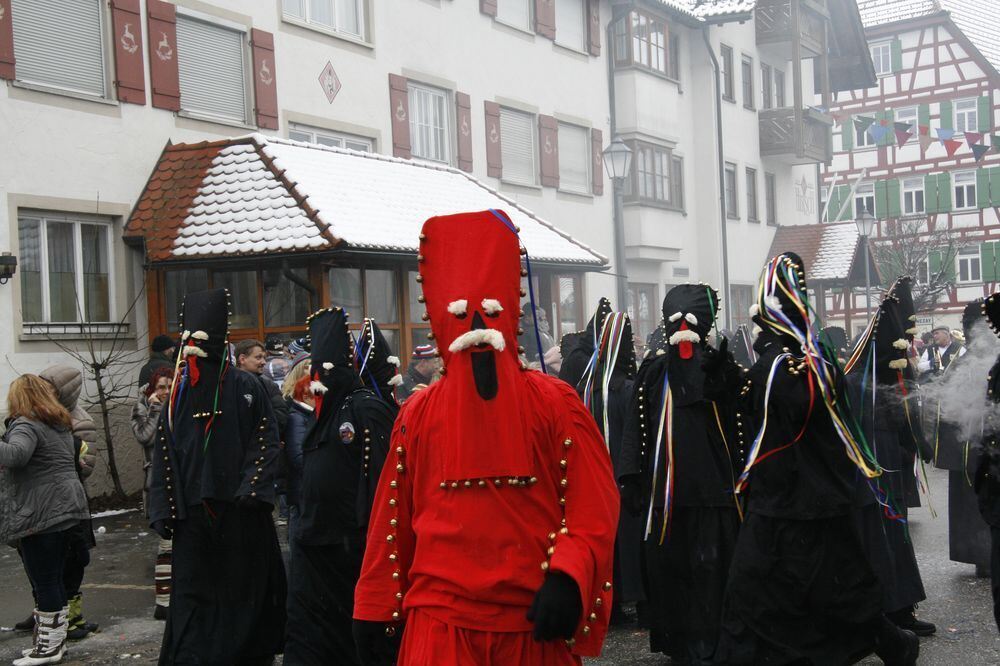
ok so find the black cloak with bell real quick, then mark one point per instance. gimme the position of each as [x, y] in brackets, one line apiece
[213, 483]
[987, 480]
[343, 455]
[688, 552]
[800, 588]
[378, 367]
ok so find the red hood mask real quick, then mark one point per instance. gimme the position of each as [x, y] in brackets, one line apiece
[470, 269]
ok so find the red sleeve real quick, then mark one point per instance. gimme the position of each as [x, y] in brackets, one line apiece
[584, 548]
[378, 596]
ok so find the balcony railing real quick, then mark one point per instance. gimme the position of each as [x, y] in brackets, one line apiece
[781, 22]
[802, 138]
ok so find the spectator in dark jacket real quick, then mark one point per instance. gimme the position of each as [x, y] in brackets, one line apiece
[300, 419]
[161, 354]
[41, 501]
[250, 357]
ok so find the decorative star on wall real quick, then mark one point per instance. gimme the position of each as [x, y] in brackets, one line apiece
[803, 188]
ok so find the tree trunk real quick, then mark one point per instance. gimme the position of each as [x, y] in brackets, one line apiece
[106, 424]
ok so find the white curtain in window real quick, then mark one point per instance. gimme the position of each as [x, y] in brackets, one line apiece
[211, 64]
[571, 22]
[30, 268]
[296, 8]
[60, 44]
[517, 146]
[348, 16]
[96, 294]
[515, 12]
[428, 124]
[574, 158]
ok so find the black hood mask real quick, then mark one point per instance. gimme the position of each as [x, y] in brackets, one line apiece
[378, 368]
[333, 374]
[205, 348]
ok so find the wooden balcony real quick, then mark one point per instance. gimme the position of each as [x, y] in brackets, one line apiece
[795, 138]
[794, 29]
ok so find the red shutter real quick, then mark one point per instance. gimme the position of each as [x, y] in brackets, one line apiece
[6, 41]
[161, 24]
[596, 161]
[488, 7]
[494, 161]
[594, 27]
[548, 150]
[545, 18]
[463, 118]
[265, 79]
[399, 111]
[130, 75]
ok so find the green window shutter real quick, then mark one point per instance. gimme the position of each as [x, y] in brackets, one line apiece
[847, 133]
[881, 200]
[944, 192]
[988, 254]
[930, 193]
[945, 112]
[924, 115]
[846, 202]
[933, 262]
[983, 188]
[995, 186]
[893, 194]
[984, 114]
[897, 55]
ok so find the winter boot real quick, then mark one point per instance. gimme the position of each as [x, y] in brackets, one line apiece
[895, 646]
[906, 618]
[26, 625]
[79, 628]
[49, 641]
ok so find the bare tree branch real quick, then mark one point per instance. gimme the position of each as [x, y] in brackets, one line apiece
[914, 247]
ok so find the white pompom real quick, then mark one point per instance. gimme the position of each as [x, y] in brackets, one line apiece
[458, 307]
[396, 380]
[492, 306]
[393, 360]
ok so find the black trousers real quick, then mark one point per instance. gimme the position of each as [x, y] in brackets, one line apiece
[44, 557]
[995, 572]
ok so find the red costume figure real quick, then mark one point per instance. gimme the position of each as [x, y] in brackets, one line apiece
[492, 533]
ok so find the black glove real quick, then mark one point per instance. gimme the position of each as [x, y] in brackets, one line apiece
[631, 492]
[165, 528]
[557, 608]
[254, 504]
[377, 643]
[714, 361]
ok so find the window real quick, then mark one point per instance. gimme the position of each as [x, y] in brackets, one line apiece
[287, 296]
[908, 115]
[657, 175]
[965, 189]
[862, 138]
[732, 205]
[766, 87]
[649, 43]
[242, 286]
[376, 292]
[571, 24]
[752, 195]
[643, 310]
[779, 88]
[864, 199]
[923, 272]
[518, 147]
[324, 137]
[429, 123]
[177, 285]
[747, 70]
[770, 199]
[343, 16]
[574, 158]
[211, 64]
[824, 196]
[882, 58]
[726, 65]
[913, 196]
[966, 116]
[969, 269]
[65, 268]
[740, 300]
[514, 12]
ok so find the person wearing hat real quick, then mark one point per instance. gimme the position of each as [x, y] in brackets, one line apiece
[939, 354]
[212, 491]
[161, 355]
[423, 364]
[276, 362]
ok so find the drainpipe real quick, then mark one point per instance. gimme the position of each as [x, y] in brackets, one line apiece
[621, 270]
[727, 312]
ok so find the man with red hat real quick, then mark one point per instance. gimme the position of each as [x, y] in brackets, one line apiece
[493, 529]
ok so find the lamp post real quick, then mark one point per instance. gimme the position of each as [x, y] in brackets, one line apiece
[617, 160]
[865, 222]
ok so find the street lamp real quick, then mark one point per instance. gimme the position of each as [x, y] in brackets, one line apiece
[865, 223]
[617, 160]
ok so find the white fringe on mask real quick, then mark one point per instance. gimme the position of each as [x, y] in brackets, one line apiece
[185, 335]
[675, 316]
[898, 364]
[900, 344]
[911, 331]
[317, 388]
[691, 319]
[678, 337]
[200, 335]
[754, 310]
[194, 351]
[458, 307]
[490, 336]
[491, 306]
[394, 360]
[328, 366]
[396, 380]
[661, 352]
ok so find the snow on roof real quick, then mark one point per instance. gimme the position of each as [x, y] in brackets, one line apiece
[706, 9]
[256, 195]
[880, 12]
[828, 250]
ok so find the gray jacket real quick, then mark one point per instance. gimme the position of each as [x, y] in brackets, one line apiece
[39, 488]
[145, 421]
[68, 382]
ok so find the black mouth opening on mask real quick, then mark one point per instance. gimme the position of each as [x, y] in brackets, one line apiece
[484, 365]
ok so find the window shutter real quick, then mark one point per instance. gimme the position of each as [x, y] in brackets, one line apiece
[847, 202]
[164, 77]
[881, 199]
[847, 133]
[892, 194]
[923, 116]
[945, 112]
[597, 161]
[130, 75]
[930, 193]
[944, 192]
[984, 113]
[488, 7]
[982, 188]
[933, 263]
[594, 27]
[463, 126]
[265, 87]
[494, 162]
[6, 41]
[897, 55]
[548, 150]
[995, 186]
[988, 261]
[545, 18]
[399, 111]
[677, 183]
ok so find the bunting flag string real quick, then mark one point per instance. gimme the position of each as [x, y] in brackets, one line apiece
[925, 141]
[979, 151]
[945, 134]
[862, 123]
[877, 132]
[951, 146]
[972, 138]
[904, 131]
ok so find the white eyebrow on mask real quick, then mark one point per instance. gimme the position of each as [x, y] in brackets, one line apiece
[458, 307]
[492, 306]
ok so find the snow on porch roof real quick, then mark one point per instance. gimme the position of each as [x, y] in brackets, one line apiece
[259, 195]
[828, 250]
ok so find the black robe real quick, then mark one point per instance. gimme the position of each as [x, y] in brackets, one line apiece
[628, 553]
[228, 586]
[800, 589]
[343, 458]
